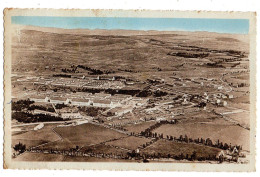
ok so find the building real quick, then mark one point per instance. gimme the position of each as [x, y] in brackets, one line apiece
[158, 119]
[80, 102]
[36, 111]
[59, 100]
[119, 111]
[39, 99]
[110, 78]
[71, 115]
[102, 103]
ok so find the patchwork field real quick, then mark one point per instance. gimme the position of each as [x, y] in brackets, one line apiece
[225, 133]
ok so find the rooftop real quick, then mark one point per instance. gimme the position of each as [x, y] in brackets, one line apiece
[80, 100]
[58, 98]
[101, 101]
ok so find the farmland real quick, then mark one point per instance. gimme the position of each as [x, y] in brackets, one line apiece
[36, 137]
[87, 133]
[209, 130]
[130, 143]
[165, 147]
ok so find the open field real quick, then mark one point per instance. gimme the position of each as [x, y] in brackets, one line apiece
[174, 148]
[82, 135]
[101, 148]
[243, 118]
[130, 142]
[36, 137]
[225, 133]
[137, 128]
[39, 157]
[90, 133]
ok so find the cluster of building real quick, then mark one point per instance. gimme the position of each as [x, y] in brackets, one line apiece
[82, 82]
[218, 99]
[97, 100]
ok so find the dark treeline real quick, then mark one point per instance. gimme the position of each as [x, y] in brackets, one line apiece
[215, 65]
[21, 104]
[129, 155]
[109, 91]
[189, 55]
[95, 71]
[128, 70]
[43, 108]
[60, 106]
[62, 75]
[92, 111]
[191, 157]
[148, 132]
[201, 49]
[208, 142]
[30, 118]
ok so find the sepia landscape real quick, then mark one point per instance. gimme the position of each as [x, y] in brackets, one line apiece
[82, 95]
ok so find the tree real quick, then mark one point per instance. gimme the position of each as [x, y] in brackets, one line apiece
[194, 155]
[20, 147]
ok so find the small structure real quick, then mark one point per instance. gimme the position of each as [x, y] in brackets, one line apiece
[39, 126]
[230, 96]
[220, 87]
[158, 119]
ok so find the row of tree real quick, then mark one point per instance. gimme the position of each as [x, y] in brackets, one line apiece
[40, 107]
[148, 132]
[132, 155]
[26, 117]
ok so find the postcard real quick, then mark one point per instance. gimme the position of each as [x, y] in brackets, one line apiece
[129, 90]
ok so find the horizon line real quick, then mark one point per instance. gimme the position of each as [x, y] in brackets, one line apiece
[226, 26]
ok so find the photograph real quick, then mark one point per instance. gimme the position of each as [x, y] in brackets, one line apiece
[129, 90]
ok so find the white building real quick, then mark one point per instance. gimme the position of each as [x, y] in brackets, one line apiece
[36, 111]
[39, 99]
[71, 115]
[80, 102]
[102, 103]
[230, 96]
[59, 100]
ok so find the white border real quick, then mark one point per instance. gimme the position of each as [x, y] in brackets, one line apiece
[216, 5]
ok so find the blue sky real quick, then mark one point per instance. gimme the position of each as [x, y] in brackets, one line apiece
[238, 26]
